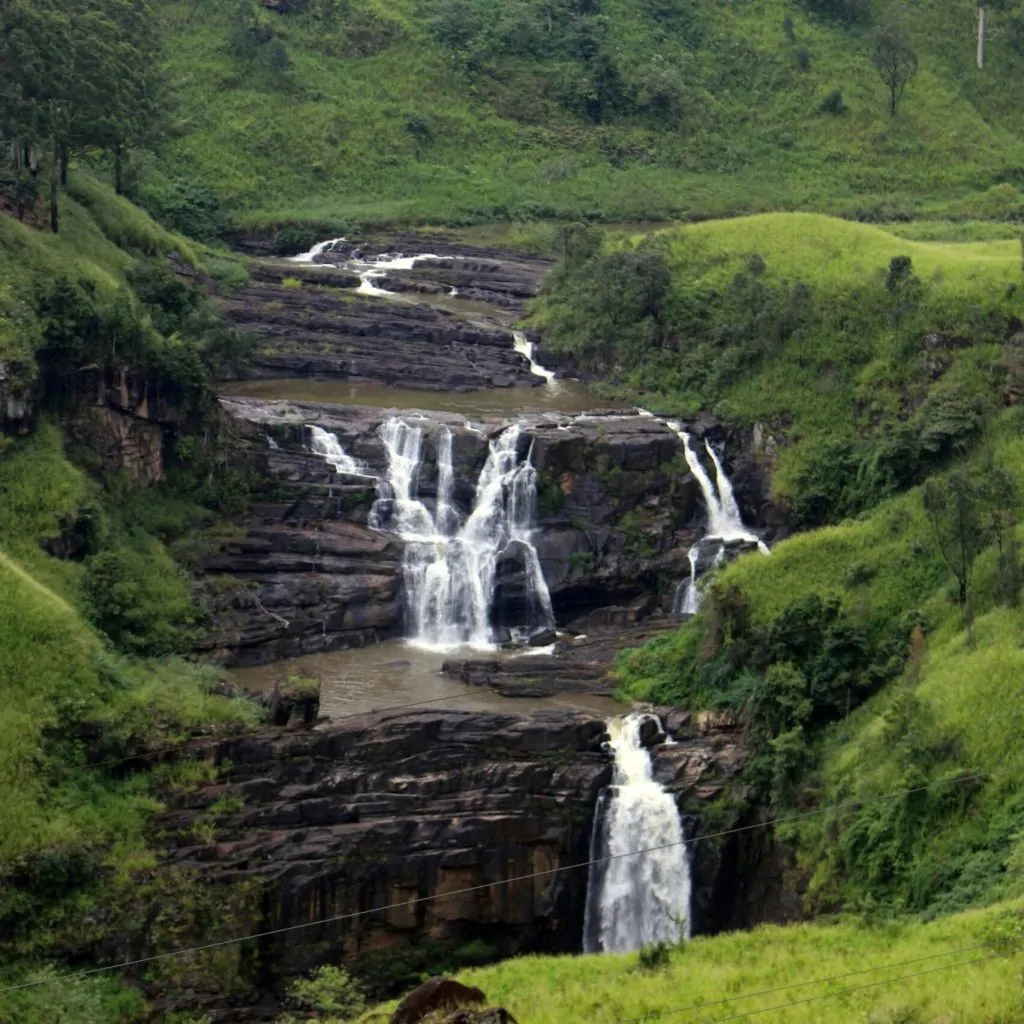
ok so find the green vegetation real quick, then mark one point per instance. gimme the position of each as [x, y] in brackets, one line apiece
[93, 603]
[75, 76]
[745, 972]
[346, 112]
[876, 357]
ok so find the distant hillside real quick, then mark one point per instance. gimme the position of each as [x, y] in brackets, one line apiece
[463, 111]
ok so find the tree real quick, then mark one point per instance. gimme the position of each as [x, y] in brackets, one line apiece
[896, 61]
[954, 509]
[1001, 506]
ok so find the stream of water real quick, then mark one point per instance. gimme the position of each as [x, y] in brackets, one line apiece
[449, 566]
[634, 899]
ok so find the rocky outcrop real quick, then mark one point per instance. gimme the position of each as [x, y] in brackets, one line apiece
[300, 573]
[318, 330]
[384, 833]
[402, 830]
[499, 277]
[580, 666]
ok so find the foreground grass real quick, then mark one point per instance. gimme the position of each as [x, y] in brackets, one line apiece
[728, 976]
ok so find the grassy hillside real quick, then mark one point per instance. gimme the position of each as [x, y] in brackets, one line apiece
[462, 111]
[92, 603]
[868, 357]
[963, 969]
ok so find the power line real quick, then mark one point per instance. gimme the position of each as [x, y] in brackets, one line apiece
[404, 904]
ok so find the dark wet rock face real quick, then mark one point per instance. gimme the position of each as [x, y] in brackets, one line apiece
[334, 334]
[422, 827]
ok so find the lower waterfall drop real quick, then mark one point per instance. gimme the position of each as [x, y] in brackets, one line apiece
[633, 901]
[450, 567]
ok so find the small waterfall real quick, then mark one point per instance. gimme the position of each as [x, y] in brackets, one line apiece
[370, 269]
[318, 250]
[635, 900]
[450, 567]
[687, 597]
[525, 348]
[326, 444]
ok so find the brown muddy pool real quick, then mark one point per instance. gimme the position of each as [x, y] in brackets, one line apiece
[396, 674]
[562, 396]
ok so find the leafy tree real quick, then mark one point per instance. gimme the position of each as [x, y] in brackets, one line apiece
[954, 508]
[895, 59]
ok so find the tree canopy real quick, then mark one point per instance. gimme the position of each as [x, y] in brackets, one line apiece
[75, 75]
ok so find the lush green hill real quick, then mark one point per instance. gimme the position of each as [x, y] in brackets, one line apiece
[961, 969]
[459, 111]
[86, 640]
[884, 373]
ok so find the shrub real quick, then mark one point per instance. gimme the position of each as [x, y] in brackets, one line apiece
[140, 599]
[833, 103]
[654, 956]
[329, 990]
[290, 241]
[803, 59]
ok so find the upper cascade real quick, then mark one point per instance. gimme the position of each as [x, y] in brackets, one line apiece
[638, 891]
[326, 444]
[450, 567]
[370, 268]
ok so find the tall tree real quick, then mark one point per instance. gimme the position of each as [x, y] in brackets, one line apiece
[895, 59]
[954, 508]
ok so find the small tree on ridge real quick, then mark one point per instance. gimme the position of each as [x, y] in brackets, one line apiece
[895, 59]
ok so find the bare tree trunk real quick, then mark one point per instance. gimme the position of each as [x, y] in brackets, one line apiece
[54, 184]
[65, 157]
[981, 36]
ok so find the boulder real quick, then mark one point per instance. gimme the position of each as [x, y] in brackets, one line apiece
[434, 996]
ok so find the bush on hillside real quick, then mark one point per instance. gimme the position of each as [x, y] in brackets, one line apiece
[833, 103]
[140, 599]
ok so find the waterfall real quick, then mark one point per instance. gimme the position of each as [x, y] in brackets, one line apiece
[687, 597]
[317, 250]
[450, 567]
[635, 900]
[525, 348]
[369, 269]
[326, 444]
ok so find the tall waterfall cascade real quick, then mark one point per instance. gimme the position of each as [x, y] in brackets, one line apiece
[324, 443]
[450, 565]
[633, 898]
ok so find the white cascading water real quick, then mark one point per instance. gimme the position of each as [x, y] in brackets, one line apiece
[326, 444]
[687, 596]
[370, 269]
[525, 348]
[634, 899]
[724, 518]
[450, 567]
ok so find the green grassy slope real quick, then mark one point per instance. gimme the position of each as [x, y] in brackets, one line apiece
[429, 111]
[792, 320]
[732, 976]
[73, 687]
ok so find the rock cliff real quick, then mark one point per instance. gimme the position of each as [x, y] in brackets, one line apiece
[418, 828]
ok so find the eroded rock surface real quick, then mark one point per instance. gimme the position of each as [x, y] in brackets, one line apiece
[395, 830]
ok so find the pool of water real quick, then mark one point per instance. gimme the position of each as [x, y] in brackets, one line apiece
[566, 396]
[394, 674]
